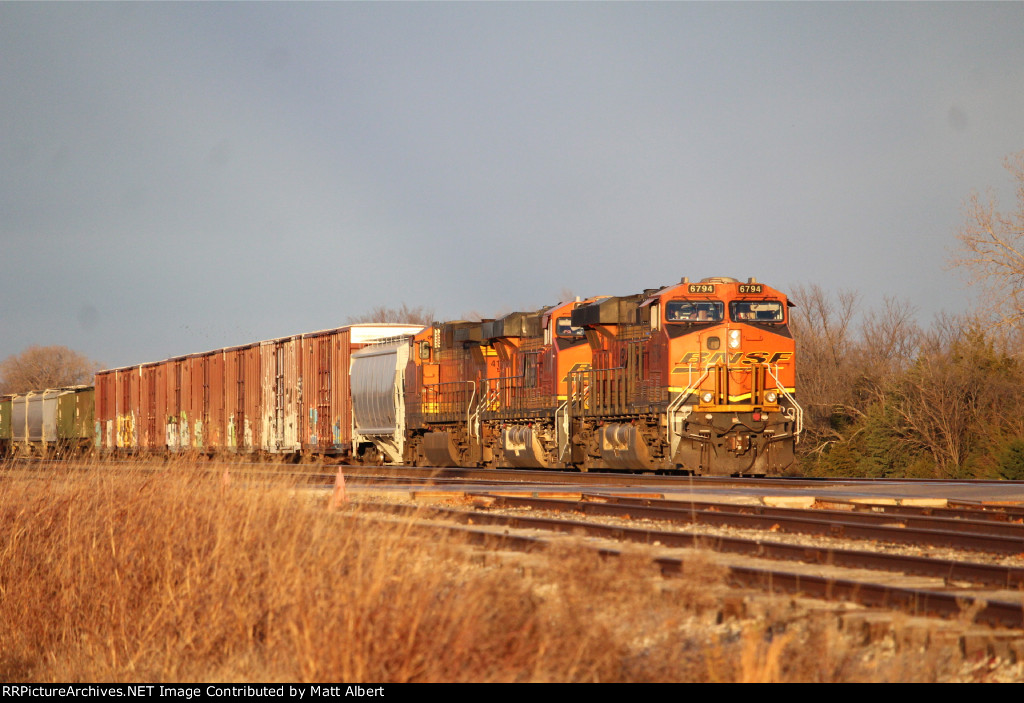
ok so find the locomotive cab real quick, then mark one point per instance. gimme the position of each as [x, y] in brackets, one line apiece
[732, 407]
[696, 377]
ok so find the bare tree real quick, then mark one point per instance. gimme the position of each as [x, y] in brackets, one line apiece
[826, 370]
[936, 402]
[37, 368]
[889, 343]
[992, 248]
[961, 396]
[472, 316]
[418, 315]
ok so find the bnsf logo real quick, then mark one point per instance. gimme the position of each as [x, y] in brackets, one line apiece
[704, 358]
[576, 368]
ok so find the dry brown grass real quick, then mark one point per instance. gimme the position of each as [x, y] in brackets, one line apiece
[170, 576]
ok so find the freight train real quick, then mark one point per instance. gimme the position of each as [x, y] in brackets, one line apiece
[695, 377]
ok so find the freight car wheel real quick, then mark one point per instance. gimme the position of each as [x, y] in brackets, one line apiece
[370, 456]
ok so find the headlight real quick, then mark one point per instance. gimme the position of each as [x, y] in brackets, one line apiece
[771, 396]
[734, 339]
[707, 397]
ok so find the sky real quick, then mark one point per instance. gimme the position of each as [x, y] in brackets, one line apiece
[179, 177]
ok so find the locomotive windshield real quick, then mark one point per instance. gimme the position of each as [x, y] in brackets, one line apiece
[756, 311]
[694, 311]
[564, 328]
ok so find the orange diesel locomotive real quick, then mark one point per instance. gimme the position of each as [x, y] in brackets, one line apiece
[695, 377]
[494, 392]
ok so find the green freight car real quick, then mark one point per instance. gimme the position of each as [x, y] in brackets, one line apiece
[5, 425]
[56, 421]
[76, 414]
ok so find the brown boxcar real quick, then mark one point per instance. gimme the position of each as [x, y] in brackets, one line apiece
[242, 398]
[326, 423]
[288, 395]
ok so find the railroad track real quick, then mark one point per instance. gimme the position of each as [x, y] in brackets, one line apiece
[553, 476]
[921, 530]
[920, 585]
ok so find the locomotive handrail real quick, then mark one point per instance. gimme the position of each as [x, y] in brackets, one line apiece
[578, 393]
[507, 394]
[562, 431]
[798, 412]
[671, 435]
[493, 397]
[431, 396]
[472, 414]
[695, 386]
[587, 378]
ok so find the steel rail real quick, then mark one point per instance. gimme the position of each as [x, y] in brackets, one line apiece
[995, 575]
[552, 475]
[912, 521]
[917, 601]
[803, 525]
[953, 509]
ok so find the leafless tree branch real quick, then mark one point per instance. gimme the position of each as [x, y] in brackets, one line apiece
[38, 367]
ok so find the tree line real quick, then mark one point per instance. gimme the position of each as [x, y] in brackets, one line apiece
[884, 396]
[40, 367]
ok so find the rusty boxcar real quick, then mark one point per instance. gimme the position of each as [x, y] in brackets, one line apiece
[288, 395]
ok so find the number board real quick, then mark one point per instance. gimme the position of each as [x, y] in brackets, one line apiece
[701, 288]
[751, 288]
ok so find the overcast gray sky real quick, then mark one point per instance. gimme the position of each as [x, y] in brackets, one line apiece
[181, 177]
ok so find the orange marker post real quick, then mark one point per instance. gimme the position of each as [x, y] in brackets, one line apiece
[339, 496]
